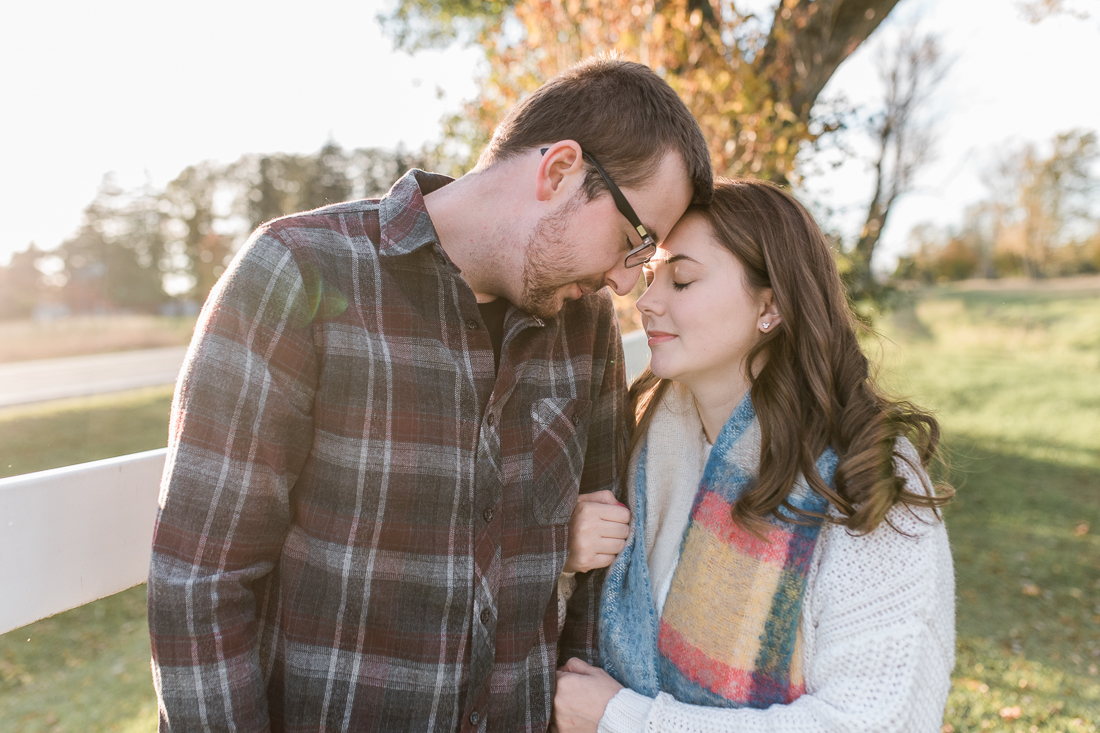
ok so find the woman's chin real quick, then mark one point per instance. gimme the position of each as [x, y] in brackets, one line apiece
[662, 371]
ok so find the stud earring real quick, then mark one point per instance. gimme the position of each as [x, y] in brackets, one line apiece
[765, 325]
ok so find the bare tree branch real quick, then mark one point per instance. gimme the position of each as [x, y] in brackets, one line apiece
[910, 70]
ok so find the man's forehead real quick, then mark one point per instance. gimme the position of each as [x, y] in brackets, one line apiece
[654, 231]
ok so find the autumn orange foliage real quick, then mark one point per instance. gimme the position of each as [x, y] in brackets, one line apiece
[751, 84]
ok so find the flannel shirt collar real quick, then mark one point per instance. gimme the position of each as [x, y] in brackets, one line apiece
[405, 226]
[403, 221]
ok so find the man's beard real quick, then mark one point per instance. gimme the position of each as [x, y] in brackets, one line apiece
[550, 264]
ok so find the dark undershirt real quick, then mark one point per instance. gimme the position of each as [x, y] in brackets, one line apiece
[493, 314]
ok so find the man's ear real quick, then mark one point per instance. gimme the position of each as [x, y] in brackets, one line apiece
[768, 317]
[560, 171]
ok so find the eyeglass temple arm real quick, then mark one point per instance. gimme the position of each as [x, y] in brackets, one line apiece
[621, 203]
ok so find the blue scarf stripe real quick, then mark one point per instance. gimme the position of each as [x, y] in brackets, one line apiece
[633, 627]
[767, 690]
[777, 642]
[777, 645]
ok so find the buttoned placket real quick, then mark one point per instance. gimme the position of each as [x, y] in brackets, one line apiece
[488, 530]
[486, 516]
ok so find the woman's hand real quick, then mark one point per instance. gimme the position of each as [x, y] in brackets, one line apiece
[582, 696]
[597, 531]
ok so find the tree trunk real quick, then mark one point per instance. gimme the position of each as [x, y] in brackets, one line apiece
[809, 41]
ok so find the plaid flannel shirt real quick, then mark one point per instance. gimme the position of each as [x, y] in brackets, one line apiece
[361, 523]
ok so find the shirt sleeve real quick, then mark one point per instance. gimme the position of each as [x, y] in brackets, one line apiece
[239, 434]
[881, 619]
[604, 463]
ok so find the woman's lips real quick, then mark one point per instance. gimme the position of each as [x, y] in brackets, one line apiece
[658, 337]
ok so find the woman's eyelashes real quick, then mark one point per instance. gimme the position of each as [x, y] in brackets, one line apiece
[650, 275]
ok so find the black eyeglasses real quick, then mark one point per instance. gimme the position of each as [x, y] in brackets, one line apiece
[644, 252]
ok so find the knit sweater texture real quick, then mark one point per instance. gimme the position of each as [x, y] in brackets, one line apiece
[878, 617]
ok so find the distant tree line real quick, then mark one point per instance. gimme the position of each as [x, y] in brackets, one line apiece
[145, 249]
[1039, 219]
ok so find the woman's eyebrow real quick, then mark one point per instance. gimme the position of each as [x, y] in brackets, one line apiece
[677, 258]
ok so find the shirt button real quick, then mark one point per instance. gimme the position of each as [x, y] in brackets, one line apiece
[575, 419]
[471, 324]
[488, 515]
[474, 718]
[490, 419]
[485, 615]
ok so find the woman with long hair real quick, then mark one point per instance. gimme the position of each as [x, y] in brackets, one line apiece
[787, 567]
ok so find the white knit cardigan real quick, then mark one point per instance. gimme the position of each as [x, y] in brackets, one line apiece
[878, 631]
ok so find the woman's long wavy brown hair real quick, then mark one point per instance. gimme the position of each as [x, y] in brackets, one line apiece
[811, 385]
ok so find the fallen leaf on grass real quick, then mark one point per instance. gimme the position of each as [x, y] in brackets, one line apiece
[1030, 589]
[972, 685]
[1081, 529]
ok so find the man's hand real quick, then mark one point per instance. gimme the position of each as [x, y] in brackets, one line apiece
[582, 696]
[597, 531]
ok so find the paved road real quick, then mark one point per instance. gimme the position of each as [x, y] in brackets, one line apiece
[23, 382]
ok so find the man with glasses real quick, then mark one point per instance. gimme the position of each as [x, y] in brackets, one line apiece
[386, 416]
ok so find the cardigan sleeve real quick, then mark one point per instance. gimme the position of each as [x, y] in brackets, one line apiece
[878, 628]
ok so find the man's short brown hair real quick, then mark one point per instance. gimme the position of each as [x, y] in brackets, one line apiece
[620, 113]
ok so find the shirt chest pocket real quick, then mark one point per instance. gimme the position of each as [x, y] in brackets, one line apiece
[559, 429]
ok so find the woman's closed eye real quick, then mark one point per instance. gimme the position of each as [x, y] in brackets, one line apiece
[679, 286]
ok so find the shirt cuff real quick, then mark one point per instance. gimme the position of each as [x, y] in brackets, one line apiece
[626, 713]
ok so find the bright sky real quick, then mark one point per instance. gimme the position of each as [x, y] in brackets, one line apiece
[1011, 82]
[145, 89]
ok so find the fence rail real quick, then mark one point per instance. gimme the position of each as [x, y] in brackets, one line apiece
[73, 535]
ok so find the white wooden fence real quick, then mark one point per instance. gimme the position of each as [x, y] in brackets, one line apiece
[72, 535]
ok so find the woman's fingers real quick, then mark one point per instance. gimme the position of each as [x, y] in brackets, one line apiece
[617, 528]
[604, 519]
[599, 497]
[575, 665]
[597, 531]
[608, 546]
[582, 696]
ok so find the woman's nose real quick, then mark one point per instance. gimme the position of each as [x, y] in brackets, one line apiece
[648, 303]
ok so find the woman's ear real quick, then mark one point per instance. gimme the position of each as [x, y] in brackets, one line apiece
[769, 316]
[560, 169]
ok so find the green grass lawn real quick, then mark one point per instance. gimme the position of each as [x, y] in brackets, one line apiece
[1013, 375]
[61, 433]
[82, 670]
[86, 669]
[1015, 379]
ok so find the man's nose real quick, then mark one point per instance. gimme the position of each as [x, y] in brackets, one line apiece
[622, 279]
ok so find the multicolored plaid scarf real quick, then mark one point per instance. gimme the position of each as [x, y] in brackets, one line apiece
[728, 632]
